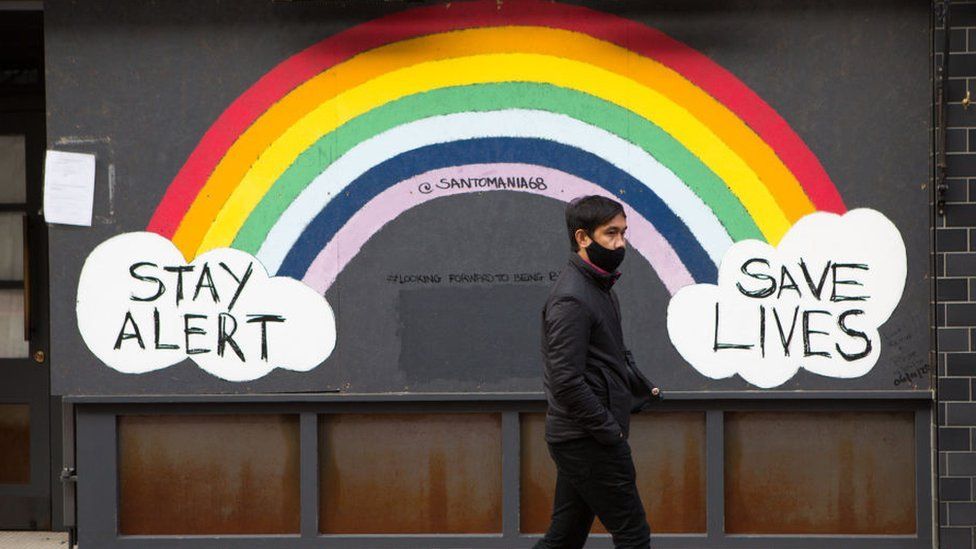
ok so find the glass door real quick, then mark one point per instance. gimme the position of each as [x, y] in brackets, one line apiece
[25, 404]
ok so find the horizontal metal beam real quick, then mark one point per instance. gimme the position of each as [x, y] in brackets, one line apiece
[484, 397]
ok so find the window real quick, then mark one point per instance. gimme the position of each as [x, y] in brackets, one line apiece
[209, 474]
[820, 473]
[410, 473]
[669, 455]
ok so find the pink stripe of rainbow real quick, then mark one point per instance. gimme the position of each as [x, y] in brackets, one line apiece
[395, 200]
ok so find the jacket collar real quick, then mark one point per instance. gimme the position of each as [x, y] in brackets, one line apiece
[604, 280]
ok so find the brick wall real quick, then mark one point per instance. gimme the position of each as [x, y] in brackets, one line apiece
[956, 305]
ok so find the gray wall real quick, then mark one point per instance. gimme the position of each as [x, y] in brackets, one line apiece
[139, 83]
[957, 293]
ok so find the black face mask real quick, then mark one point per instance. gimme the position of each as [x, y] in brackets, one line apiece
[605, 258]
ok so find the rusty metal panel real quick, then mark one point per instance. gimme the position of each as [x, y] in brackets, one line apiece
[820, 473]
[669, 455]
[14, 444]
[209, 474]
[410, 473]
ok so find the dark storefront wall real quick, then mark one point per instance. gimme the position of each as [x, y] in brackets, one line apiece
[423, 428]
[172, 87]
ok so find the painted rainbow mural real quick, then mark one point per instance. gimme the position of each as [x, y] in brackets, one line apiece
[343, 137]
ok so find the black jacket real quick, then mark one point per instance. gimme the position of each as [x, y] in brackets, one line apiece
[592, 384]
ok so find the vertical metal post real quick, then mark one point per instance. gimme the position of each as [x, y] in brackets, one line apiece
[715, 474]
[68, 470]
[98, 494]
[941, 83]
[511, 471]
[309, 467]
[924, 481]
[940, 13]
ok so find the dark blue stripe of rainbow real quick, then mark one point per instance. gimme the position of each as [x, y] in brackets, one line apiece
[541, 152]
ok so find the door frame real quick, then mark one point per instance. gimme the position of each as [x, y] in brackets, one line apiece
[27, 380]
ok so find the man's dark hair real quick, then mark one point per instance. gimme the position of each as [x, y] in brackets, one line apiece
[588, 213]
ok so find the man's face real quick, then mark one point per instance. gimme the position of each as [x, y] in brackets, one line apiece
[609, 235]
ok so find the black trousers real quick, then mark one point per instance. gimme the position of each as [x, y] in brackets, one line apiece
[594, 479]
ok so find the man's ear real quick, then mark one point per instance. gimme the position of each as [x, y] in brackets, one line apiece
[582, 239]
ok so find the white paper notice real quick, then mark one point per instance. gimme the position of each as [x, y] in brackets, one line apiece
[69, 188]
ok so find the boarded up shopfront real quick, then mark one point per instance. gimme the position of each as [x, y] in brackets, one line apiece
[307, 311]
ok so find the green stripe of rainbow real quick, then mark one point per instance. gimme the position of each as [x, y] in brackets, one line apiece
[491, 97]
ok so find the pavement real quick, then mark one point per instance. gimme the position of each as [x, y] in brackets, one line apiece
[33, 540]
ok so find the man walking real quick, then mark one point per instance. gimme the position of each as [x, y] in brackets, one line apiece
[592, 386]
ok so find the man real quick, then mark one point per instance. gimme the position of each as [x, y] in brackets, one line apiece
[592, 386]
